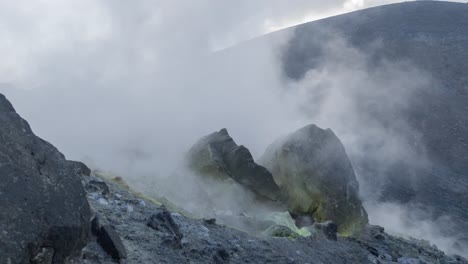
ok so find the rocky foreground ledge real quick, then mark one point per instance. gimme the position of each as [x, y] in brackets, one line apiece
[141, 231]
[58, 211]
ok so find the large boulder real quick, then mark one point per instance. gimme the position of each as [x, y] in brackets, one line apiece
[312, 167]
[218, 156]
[44, 216]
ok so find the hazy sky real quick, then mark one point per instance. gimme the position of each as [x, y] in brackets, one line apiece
[117, 73]
[120, 74]
[31, 30]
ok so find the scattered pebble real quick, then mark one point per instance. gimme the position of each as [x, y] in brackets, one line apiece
[141, 203]
[103, 201]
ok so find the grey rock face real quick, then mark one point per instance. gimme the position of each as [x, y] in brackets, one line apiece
[44, 210]
[311, 165]
[217, 155]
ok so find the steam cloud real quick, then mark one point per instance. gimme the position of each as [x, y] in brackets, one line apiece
[357, 97]
[128, 86]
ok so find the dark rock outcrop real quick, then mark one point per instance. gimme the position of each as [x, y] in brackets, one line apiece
[217, 155]
[110, 241]
[44, 211]
[164, 222]
[311, 165]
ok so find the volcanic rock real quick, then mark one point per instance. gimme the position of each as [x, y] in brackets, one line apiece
[44, 210]
[213, 243]
[218, 156]
[110, 241]
[312, 167]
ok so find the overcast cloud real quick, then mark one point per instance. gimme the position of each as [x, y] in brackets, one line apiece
[118, 82]
[33, 32]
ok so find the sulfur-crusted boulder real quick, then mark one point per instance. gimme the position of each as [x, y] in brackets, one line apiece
[312, 167]
[218, 156]
[44, 216]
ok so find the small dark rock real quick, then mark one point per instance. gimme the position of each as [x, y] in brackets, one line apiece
[379, 237]
[94, 186]
[221, 256]
[164, 222]
[375, 229]
[110, 241]
[372, 232]
[373, 251]
[211, 221]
